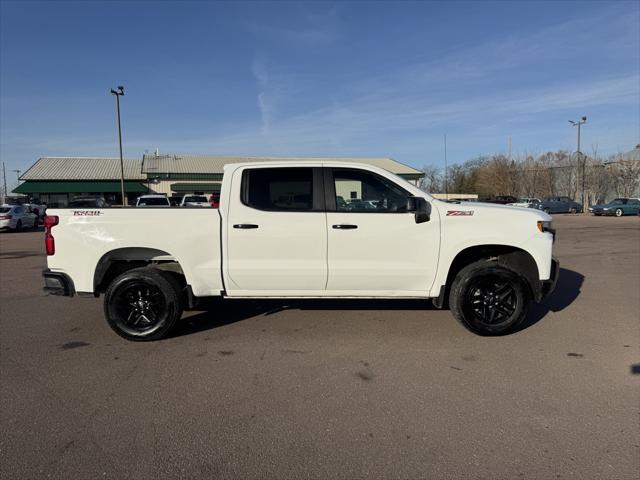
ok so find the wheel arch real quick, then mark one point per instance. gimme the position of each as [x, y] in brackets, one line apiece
[514, 258]
[120, 260]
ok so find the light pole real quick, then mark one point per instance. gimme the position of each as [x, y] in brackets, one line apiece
[580, 122]
[118, 93]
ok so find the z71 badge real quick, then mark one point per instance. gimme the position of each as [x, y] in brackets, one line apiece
[459, 213]
[87, 213]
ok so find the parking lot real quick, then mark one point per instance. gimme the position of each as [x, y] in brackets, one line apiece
[340, 389]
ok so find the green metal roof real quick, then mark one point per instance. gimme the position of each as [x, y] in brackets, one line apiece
[78, 187]
[195, 187]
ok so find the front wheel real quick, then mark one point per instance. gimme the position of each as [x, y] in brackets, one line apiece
[143, 304]
[619, 212]
[573, 211]
[489, 299]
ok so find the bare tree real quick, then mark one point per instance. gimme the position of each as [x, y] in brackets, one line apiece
[432, 180]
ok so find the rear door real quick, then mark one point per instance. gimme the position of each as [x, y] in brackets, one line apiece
[375, 246]
[276, 232]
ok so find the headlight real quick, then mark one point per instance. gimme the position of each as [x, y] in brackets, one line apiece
[545, 226]
[606, 208]
[591, 209]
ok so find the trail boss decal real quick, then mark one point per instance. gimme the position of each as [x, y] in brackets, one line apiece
[87, 213]
[459, 213]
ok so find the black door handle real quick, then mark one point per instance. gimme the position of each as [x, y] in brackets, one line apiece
[345, 226]
[245, 226]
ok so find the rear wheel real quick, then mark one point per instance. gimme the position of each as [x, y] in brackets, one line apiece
[143, 304]
[35, 223]
[573, 210]
[19, 226]
[489, 299]
[546, 210]
[619, 212]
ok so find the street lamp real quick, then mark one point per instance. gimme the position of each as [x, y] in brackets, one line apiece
[580, 122]
[118, 93]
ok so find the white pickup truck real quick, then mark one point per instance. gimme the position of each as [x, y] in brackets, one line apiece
[304, 229]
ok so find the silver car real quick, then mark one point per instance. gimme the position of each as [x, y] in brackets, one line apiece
[17, 217]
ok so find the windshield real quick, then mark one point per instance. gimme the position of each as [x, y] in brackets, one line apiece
[153, 201]
[195, 199]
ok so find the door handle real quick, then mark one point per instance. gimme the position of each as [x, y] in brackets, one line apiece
[345, 226]
[245, 226]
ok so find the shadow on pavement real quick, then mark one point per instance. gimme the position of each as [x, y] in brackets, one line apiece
[566, 291]
[221, 312]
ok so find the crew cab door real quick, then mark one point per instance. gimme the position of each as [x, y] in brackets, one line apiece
[276, 232]
[375, 247]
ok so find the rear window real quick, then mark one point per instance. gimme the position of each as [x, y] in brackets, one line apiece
[153, 201]
[5, 209]
[279, 189]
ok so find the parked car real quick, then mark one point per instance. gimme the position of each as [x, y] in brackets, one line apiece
[214, 200]
[17, 217]
[195, 201]
[618, 207]
[153, 201]
[283, 234]
[527, 202]
[38, 209]
[499, 199]
[559, 205]
[88, 202]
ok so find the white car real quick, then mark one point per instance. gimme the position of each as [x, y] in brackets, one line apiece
[281, 232]
[195, 201]
[17, 217]
[529, 202]
[153, 201]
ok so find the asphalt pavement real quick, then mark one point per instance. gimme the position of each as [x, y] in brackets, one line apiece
[323, 390]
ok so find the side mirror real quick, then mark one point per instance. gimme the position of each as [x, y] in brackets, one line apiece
[420, 207]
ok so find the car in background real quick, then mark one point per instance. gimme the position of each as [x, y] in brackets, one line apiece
[17, 217]
[527, 202]
[88, 202]
[617, 207]
[559, 205]
[195, 200]
[153, 201]
[214, 200]
[38, 209]
[499, 199]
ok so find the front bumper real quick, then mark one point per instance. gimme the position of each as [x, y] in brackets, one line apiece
[548, 286]
[58, 283]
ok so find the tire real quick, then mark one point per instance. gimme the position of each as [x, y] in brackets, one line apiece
[489, 299]
[143, 304]
[619, 212]
[35, 223]
[573, 211]
[547, 211]
[19, 226]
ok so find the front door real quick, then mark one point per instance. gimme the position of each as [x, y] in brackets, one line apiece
[375, 246]
[276, 232]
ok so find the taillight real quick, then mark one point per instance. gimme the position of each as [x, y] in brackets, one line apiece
[5, 217]
[50, 221]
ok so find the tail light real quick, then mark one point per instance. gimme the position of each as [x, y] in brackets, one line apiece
[5, 217]
[50, 221]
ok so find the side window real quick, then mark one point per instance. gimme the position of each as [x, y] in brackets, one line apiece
[360, 191]
[279, 189]
[634, 202]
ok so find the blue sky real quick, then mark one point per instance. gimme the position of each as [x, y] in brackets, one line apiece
[293, 78]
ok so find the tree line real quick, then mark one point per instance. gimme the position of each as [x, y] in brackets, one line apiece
[550, 174]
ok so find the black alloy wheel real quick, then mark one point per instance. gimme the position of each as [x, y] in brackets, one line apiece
[489, 299]
[143, 304]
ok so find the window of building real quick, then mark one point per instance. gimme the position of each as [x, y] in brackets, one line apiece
[279, 189]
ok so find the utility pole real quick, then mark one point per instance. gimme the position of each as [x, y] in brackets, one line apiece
[446, 186]
[579, 123]
[119, 93]
[18, 175]
[4, 179]
[509, 148]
